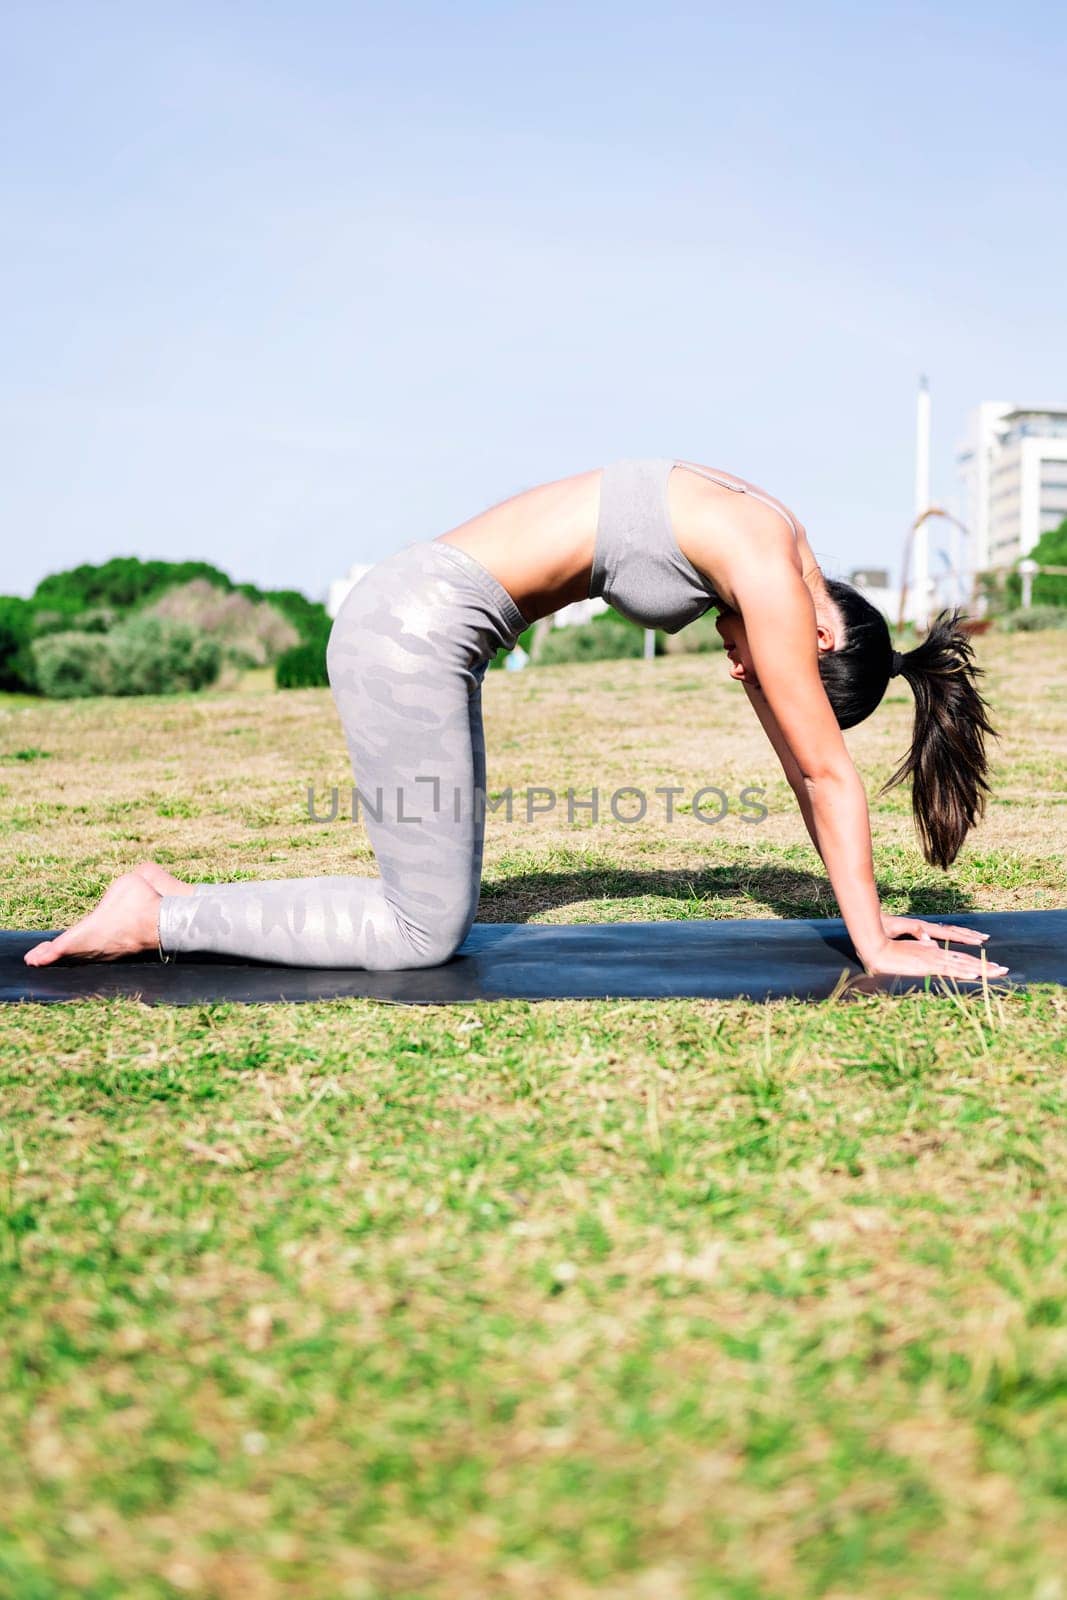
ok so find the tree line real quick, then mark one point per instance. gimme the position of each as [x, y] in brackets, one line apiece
[129, 626]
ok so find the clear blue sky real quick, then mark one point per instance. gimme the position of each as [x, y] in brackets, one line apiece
[285, 287]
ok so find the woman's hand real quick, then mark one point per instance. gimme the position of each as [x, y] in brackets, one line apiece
[922, 954]
[929, 932]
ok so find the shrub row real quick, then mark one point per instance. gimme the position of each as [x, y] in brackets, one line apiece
[1044, 616]
[304, 666]
[252, 633]
[147, 655]
[252, 627]
[76, 635]
[607, 637]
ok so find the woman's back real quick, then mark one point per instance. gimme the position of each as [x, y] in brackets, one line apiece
[641, 534]
[538, 543]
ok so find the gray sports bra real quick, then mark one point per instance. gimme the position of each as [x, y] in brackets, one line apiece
[637, 565]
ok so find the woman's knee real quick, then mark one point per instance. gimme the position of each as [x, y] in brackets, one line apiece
[433, 944]
[439, 944]
[408, 957]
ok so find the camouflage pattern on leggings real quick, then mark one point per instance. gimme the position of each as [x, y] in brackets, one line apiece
[406, 658]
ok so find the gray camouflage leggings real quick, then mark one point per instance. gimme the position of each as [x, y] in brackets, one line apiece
[407, 654]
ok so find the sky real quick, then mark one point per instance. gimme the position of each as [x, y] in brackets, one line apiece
[287, 287]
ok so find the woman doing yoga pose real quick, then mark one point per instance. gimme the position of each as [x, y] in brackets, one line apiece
[662, 540]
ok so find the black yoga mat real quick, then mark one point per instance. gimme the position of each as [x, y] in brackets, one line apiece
[753, 959]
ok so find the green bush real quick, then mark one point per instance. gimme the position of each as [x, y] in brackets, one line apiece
[127, 582]
[16, 628]
[147, 655]
[309, 617]
[153, 655]
[254, 626]
[100, 619]
[1049, 589]
[696, 638]
[1037, 617]
[303, 667]
[70, 666]
[524, 641]
[608, 637]
[121, 583]
[251, 633]
[59, 618]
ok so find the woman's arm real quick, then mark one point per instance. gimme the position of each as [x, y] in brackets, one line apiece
[893, 927]
[792, 706]
[779, 616]
[794, 776]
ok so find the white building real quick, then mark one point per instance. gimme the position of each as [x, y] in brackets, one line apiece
[874, 585]
[579, 611]
[1013, 469]
[339, 588]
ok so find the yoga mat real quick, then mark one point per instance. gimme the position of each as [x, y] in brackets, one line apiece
[753, 958]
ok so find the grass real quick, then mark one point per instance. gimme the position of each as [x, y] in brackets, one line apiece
[671, 1301]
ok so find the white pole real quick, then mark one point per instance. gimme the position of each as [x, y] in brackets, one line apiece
[650, 644]
[1028, 568]
[922, 503]
[957, 566]
[954, 589]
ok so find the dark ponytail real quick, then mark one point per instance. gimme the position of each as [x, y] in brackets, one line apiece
[947, 760]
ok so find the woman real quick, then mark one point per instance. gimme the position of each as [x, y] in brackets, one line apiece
[663, 541]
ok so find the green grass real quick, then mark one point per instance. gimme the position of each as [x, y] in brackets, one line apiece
[672, 1301]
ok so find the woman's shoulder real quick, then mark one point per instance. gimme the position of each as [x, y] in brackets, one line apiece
[727, 535]
[729, 485]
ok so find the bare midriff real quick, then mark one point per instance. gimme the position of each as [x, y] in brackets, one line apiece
[539, 544]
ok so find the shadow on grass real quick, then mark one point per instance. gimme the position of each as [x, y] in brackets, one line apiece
[782, 891]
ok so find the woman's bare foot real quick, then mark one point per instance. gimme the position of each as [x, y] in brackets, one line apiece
[124, 923]
[162, 881]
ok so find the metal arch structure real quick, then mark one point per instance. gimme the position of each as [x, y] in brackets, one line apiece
[920, 520]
